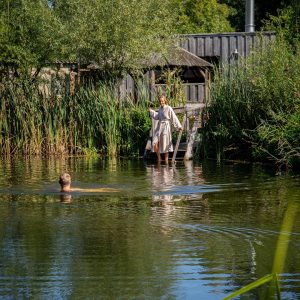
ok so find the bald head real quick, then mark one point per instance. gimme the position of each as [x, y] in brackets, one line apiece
[65, 182]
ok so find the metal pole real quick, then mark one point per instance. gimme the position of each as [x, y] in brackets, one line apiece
[249, 16]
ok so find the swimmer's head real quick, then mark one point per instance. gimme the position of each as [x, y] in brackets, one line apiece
[65, 182]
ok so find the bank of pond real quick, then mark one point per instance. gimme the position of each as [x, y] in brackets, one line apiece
[252, 114]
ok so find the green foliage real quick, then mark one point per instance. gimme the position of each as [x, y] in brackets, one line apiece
[286, 23]
[202, 16]
[264, 9]
[118, 35]
[279, 138]
[172, 87]
[255, 108]
[92, 121]
[28, 35]
[237, 13]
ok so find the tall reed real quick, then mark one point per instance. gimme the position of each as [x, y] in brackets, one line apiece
[93, 120]
[255, 109]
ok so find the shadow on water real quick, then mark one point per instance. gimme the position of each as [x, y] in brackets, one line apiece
[189, 231]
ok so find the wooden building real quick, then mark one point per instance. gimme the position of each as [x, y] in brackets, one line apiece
[195, 57]
[211, 48]
[225, 47]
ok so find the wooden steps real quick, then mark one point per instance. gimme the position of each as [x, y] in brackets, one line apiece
[184, 151]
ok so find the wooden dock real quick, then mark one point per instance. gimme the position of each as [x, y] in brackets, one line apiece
[192, 121]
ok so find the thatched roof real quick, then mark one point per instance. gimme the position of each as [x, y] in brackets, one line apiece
[177, 56]
[93, 66]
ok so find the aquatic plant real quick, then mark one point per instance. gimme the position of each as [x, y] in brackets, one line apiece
[279, 258]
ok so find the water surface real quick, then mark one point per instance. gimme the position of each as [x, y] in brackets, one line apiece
[189, 231]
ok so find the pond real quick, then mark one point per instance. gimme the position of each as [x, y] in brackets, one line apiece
[189, 231]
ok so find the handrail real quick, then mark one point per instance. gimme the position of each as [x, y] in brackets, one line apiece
[178, 139]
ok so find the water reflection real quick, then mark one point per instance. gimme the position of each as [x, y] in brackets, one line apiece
[162, 180]
[170, 184]
[66, 198]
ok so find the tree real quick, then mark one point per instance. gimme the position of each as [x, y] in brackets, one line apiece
[263, 9]
[118, 35]
[286, 23]
[28, 34]
[194, 16]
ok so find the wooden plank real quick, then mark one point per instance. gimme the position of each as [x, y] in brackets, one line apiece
[201, 93]
[194, 106]
[192, 93]
[197, 88]
[224, 49]
[192, 45]
[189, 108]
[240, 46]
[216, 46]
[232, 48]
[200, 47]
[179, 110]
[186, 92]
[247, 45]
[208, 46]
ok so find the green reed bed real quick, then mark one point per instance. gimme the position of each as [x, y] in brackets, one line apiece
[93, 121]
[255, 109]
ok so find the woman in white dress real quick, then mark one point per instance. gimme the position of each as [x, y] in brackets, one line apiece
[162, 138]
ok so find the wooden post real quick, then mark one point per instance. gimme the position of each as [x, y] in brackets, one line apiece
[78, 74]
[209, 88]
[206, 87]
[189, 150]
[178, 139]
[152, 85]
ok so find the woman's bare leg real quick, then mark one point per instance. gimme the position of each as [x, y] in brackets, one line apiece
[167, 157]
[156, 149]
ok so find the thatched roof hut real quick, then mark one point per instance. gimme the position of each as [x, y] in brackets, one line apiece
[192, 70]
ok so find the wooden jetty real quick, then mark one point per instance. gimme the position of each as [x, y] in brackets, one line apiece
[192, 121]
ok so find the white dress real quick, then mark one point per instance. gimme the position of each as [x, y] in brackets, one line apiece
[163, 133]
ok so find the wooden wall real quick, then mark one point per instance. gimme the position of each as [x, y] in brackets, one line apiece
[223, 45]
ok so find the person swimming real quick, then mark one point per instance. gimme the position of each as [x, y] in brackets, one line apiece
[65, 184]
